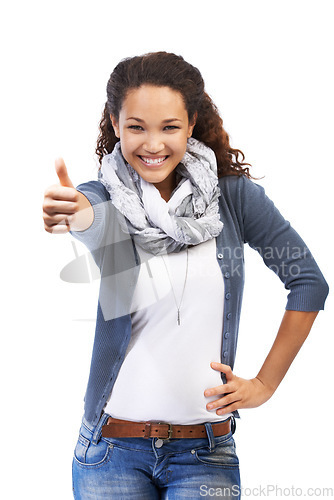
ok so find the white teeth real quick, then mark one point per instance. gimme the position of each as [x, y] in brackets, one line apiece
[153, 161]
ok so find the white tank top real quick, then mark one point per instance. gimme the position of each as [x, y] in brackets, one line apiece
[167, 366]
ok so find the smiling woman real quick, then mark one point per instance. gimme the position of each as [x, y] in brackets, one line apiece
[153, 148]
[166, 223]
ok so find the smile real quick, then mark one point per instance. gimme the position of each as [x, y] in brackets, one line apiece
[153, 161]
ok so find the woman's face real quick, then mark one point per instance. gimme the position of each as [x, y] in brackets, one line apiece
[153, 129]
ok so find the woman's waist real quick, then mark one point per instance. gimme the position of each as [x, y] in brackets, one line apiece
[176, 397]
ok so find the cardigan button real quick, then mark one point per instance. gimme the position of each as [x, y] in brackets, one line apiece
[227, 275]
[220, 256]
[226, 335]
[228, 296]
[225, 354]
[228, 315]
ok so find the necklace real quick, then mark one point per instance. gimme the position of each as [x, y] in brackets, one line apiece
[178, 306]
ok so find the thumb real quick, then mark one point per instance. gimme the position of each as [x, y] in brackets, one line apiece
[62, 173]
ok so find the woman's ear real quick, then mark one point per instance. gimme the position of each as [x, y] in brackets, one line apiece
[192, 125]
[115, 126]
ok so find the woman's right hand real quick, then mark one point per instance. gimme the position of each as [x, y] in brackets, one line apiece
[61, 205]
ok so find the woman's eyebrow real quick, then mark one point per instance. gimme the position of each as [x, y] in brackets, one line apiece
[168, 120]
[134, 118]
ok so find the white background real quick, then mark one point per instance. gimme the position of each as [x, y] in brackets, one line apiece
[268, 67]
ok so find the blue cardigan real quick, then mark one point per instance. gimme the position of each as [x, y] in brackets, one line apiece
[249, 216]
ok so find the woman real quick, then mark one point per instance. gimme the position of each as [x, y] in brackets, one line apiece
[166, 222]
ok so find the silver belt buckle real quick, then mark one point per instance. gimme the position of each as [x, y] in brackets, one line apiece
[170, 430]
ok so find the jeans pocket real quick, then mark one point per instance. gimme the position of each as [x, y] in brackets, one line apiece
[87, 454]
[222, 455]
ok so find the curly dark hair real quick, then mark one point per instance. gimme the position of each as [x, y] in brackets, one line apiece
[164, 69]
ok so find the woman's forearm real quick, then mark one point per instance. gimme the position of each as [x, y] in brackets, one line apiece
[243, 393]
[293, 331]
[84, 217]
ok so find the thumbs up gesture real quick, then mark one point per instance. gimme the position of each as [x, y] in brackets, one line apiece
[62, 203]
[62, 173]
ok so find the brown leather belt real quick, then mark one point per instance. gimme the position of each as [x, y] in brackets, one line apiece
[126, 428]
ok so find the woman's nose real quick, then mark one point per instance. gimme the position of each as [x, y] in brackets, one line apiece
[153, 144]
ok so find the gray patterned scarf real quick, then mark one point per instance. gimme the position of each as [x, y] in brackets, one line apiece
[160, 227]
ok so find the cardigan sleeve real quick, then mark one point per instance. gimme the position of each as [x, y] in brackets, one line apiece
[94, 236]
[282, 249]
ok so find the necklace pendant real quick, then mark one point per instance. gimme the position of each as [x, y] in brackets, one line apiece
[171, 284]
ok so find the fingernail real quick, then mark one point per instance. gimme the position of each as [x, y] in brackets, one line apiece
[209, 407]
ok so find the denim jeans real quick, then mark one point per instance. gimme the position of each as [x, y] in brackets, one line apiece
[145, 469]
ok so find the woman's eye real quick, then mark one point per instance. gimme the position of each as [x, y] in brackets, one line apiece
[135, 127]
[138, 127]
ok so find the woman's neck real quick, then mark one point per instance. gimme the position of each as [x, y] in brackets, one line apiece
[167, 186]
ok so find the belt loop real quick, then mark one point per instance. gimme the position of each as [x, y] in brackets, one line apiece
[211, 437]
[233, 424]
[98, 429]
[147, 430]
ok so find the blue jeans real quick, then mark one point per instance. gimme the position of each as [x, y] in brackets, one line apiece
[138, 468]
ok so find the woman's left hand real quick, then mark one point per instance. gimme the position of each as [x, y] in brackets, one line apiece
[237, 392]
